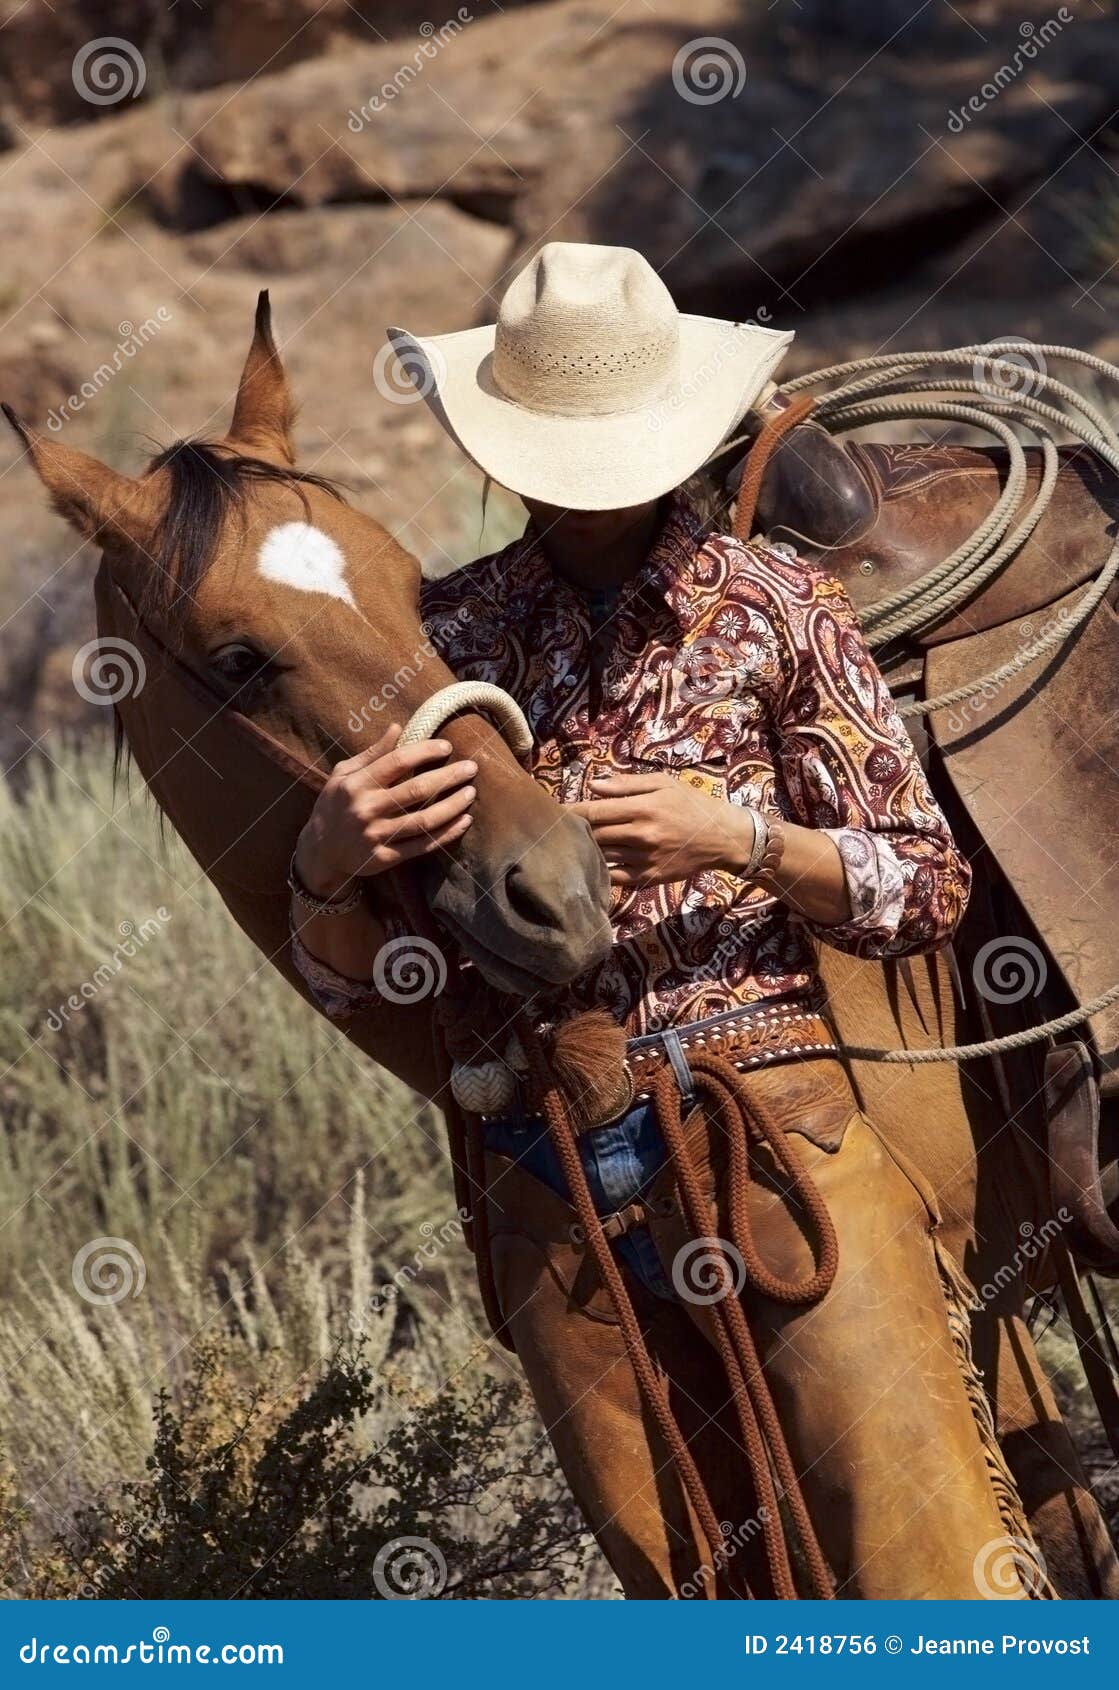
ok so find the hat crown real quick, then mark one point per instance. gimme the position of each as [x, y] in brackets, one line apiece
[586, 331]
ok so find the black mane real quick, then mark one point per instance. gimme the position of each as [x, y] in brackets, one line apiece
[207, 482]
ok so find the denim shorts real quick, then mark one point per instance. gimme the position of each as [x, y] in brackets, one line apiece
[621, 1161]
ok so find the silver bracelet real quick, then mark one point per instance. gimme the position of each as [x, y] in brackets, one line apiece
[758, 848]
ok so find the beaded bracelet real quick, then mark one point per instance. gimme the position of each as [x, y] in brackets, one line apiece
[317, 905]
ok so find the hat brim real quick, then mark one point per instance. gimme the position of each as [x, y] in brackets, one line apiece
[595, 462]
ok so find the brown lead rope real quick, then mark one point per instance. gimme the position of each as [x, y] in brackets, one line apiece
[760, 1424]
[653, 1391]
[757, 1414]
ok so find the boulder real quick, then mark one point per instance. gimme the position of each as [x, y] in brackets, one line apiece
[173, 48]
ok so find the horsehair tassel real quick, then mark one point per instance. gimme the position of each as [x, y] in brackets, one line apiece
[771, 436]
[475, 696]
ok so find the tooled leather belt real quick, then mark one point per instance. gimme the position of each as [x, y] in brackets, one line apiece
[755, 1036]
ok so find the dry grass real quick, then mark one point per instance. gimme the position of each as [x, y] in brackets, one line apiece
[262, 1180]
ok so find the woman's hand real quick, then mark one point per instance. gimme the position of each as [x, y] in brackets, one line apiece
[653, 828]
[378, 809]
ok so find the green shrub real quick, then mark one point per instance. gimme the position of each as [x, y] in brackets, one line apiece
[268, 1492]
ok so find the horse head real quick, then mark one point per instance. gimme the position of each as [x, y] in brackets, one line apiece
[259, 629]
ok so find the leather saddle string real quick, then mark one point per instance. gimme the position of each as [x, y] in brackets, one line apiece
[741, 1119]
[763, 448]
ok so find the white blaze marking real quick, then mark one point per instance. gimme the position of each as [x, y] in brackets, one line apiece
[304, 557]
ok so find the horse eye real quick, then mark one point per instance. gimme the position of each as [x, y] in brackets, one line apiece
[238, 663]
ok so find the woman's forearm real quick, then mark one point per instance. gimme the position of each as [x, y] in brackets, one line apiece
[810, 877]
[348, 943]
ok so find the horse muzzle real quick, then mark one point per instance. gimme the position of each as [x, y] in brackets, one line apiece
[535, 917]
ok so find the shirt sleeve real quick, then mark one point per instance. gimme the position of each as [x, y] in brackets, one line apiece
[851, 771]
[336, 994]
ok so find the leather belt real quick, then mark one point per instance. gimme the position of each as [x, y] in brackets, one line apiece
[754, 1037]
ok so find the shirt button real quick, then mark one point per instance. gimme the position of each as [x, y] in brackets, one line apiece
[569, 680]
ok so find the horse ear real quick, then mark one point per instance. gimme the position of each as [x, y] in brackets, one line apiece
[93, 498]
[264, 412]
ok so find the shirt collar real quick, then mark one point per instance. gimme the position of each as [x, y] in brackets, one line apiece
[667, 572]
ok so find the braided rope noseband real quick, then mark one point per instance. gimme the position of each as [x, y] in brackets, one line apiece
[477, 696]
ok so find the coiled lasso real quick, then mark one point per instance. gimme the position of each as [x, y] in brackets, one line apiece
[961, 385]
[897, 387]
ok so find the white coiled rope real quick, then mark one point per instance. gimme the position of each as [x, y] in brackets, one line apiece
[888, 388]
[479, 697]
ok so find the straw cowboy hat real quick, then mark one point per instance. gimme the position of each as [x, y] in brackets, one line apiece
[591, 392]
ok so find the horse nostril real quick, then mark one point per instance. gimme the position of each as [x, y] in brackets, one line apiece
[532, 906]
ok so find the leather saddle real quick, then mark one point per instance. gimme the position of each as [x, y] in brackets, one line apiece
[882, 515]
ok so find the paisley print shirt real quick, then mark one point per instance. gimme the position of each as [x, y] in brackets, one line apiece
[743, 671]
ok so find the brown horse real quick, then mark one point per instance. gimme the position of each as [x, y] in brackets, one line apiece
[255, 677]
